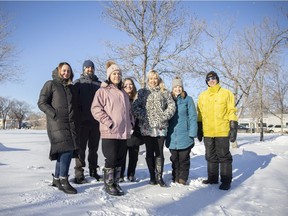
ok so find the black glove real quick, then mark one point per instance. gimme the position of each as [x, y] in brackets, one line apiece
[200, 131]
[233, 131]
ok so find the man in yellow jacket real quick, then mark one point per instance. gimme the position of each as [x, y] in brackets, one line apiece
[217, 122]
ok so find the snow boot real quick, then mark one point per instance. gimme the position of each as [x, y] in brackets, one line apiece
[55, 182]
[226, 176]
[151, 167]
[117, 174]
[213, 173]
[66, 187]
[93, 173]
[109, 185]
[159, 171]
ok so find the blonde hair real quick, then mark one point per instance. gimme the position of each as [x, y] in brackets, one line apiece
[160, 81]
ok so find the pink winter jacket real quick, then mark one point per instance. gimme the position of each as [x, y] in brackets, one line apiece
[111, 108]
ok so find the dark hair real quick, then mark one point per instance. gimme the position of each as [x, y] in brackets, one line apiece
[134, 91]
[60, 65]
[119, 85]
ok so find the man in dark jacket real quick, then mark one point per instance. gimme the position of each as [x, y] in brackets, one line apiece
[86, 86]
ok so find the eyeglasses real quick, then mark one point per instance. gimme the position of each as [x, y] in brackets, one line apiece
[211, 78]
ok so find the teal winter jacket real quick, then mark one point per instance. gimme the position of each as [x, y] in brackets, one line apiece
[183, 125]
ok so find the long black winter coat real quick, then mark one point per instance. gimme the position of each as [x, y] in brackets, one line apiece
[58, 101]
[86, 86]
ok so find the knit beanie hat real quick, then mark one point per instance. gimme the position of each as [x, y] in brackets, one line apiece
[111, 67]
[211, 74]
[177, 81]
[88, 63]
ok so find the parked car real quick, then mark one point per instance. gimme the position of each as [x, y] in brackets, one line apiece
[26, 125]
[243, 129]
[276, 129]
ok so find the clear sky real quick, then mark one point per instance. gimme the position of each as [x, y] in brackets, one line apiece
[47, 33]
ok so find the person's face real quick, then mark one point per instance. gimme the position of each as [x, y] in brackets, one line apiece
[115, 77]
[128, 86]
[65, 72]
[89, 70]
[212, 81]
[177, 90]
[153, 81]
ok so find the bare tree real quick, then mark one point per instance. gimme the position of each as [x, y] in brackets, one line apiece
[5, 106]
[277, 91]
[159, 34]
[19, 110]
[9, 71]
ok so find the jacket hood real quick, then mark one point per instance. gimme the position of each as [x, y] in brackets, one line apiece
[55, 76]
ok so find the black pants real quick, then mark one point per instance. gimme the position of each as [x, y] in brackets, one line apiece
[132, 150]
[180, 163]
[114, 151]
[89, 135]
[154, 146]
[217, 152]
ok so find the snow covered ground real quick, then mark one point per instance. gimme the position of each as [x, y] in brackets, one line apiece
[259, 186]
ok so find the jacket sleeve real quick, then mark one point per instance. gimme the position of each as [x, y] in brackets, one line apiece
[98, 111]
[192, 118]
[199, 114]
[138, 108]
[171, 107]
[231, 107]
[45, 100]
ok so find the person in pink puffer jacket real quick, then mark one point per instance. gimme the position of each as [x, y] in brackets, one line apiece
[111, 108]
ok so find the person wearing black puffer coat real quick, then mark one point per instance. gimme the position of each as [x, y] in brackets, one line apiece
[59, 102]
[89, 134]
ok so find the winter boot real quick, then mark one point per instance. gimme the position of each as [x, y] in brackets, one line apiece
[66, 187]
[55, 182]
[151, 167]
[213, 173]
[93, 173]
[109, 185]
[159, 171]
[80, 180]
[226, 176]
[117, 174]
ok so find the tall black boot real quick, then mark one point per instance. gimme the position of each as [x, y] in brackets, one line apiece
[66, 187]
[213, 173]
[159, 171]
[226, 176]
[109, 179]
[151, 167]
[117, 174]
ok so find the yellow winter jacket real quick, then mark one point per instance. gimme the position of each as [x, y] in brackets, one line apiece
[216, 108]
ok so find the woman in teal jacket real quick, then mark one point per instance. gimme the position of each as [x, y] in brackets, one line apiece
[181, 132]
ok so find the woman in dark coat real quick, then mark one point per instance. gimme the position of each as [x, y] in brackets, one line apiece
[57, 100]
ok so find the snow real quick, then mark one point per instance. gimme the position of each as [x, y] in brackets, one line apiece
[259, 185]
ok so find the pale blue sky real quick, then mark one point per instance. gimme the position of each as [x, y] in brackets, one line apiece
[47, 33]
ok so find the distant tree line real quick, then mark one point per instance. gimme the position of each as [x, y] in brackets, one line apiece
[18, 114]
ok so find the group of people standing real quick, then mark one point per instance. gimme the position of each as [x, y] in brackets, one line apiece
[79, 113]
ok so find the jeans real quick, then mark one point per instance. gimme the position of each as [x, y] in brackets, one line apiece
[63, 164]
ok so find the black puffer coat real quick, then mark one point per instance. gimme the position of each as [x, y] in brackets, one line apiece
[59, 102]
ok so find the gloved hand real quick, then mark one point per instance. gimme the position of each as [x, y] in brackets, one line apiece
[200, 131]
[233, 131]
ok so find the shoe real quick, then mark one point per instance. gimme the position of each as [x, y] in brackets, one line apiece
[121, 179]
[225, 186]
[55, 182]
[66, 187]
[93, 173]
[80, 180]
[207, 181]
[181, 181]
